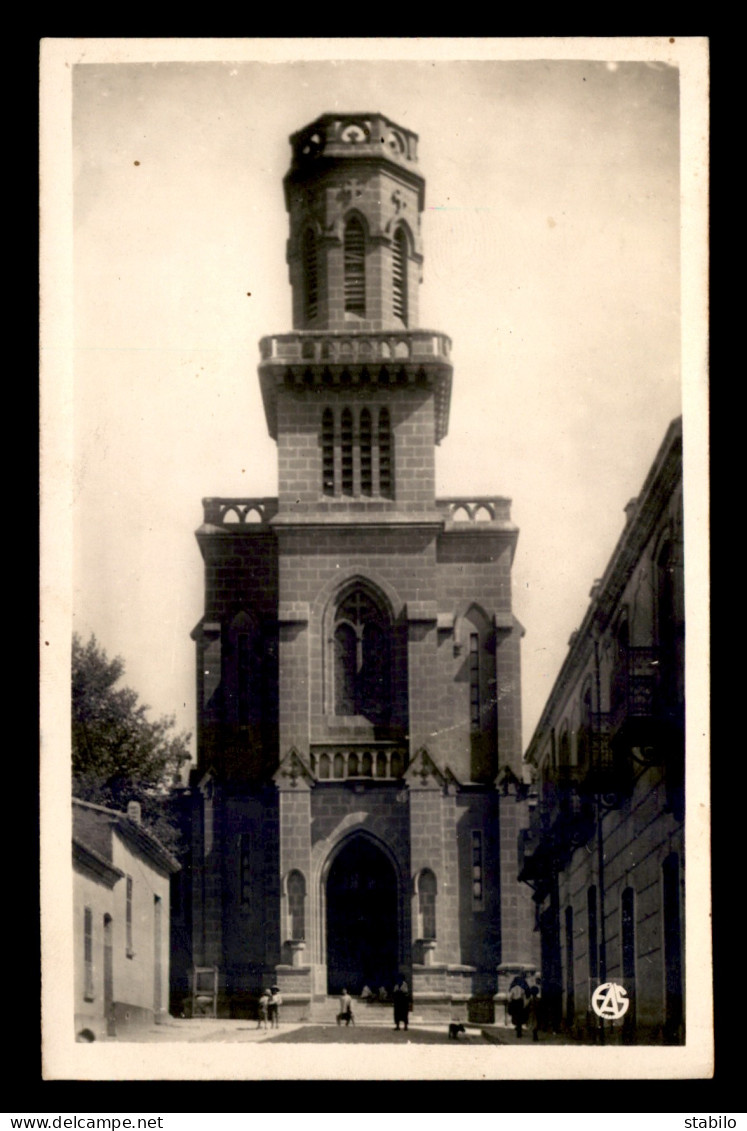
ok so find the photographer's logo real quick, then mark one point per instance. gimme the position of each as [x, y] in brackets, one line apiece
[610, 1001]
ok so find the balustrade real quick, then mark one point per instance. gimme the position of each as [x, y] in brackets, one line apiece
[340, 763]
[381, 347]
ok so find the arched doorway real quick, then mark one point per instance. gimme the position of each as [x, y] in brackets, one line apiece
[362, 935]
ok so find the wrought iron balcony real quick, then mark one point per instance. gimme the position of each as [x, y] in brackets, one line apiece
[645, 711]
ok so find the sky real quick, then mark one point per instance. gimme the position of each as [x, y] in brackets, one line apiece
[552, 259]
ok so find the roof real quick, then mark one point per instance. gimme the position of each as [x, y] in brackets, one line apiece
[93, 826]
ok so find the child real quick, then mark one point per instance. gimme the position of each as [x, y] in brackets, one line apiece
[264, 1002]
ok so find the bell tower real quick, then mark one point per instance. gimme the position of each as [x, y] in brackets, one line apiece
[357, 395]
[354, 195]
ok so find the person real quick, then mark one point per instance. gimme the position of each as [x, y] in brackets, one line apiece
[346, 1009]
[273, 1008]
[518, 993]
[264, 1002]
[401, 997]
[532, 1012]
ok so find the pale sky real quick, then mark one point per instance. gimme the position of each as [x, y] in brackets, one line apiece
[552, 260]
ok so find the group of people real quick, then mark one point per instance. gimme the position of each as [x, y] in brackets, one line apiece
[400, 999]
[523, 1003]
[269, 1008]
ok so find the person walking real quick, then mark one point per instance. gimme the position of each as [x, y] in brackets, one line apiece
[532, 1012]
[401, 998]
[262, 1011]
[518, 994]
[273, 1008]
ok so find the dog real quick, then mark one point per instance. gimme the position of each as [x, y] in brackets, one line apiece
[455, 1028]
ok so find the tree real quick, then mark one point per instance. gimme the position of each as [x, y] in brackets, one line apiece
[119, 754]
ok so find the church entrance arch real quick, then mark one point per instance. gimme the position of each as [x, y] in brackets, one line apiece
[362, 919]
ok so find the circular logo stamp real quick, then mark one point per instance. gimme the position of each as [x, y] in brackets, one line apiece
[610, 1000]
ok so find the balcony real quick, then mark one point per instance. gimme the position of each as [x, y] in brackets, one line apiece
[307, 359]
[235, 512]
[642, 703]
[608, 772]
[365, 348]
[374, 761]
[466, 513]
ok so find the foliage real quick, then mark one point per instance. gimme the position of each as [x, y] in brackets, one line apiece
[119, 754]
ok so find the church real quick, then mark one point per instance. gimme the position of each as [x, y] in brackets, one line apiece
[355, 808]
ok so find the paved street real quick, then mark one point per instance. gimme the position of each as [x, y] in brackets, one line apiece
[221, 1030]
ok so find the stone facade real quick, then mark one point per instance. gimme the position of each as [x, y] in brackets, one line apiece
[121, 892]
[604, 849]
[354, 810]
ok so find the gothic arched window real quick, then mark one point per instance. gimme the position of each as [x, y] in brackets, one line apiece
[399, 274]
[354, 260]
[361, 658]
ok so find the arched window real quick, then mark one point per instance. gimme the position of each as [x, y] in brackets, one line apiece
[399, 274]
[310, 275]
[361, 658]
[296, 888]
[427, 904]
[355, 267]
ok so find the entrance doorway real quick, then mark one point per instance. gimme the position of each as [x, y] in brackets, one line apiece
[362, 936]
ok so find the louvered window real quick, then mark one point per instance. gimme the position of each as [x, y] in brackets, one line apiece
[355, 268]
[346, 446]
[399, 275]
[385, 454]
[311, 293]
[365, 448]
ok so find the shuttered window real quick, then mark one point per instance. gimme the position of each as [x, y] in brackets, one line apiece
[355, 267]
[399, 275]
[311, 292]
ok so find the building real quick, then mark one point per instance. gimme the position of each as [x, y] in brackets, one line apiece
[604, 850]
[121, 878]
[356, 804]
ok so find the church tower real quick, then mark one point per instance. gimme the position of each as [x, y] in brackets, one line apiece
[357, 797]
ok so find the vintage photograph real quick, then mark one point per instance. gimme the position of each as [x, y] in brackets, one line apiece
[375, 478]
